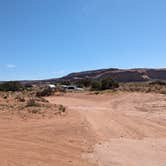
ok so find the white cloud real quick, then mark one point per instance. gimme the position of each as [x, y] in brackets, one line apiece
[11, 66]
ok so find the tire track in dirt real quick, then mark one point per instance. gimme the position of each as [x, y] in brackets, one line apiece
[120, 125]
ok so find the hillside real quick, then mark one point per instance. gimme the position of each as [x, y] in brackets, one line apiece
[121, 75]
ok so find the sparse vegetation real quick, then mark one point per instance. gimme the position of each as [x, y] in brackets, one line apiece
[155, 87]
[84, 83]
[20, 98]
[62, 108]
[162, 83]
[32, 103]
[109, 83]
[104, 84]
[26, 105]
[11, 86]
[96, 85]
[44, 92]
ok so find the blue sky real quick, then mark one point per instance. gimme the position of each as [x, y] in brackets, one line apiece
[50, 38]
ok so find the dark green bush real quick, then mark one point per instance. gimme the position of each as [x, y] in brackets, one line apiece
[96, 85]
[11, 86]
[108, 83]
[84, 82]
[104, 84]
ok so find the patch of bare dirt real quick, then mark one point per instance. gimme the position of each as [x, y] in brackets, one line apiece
[105, 129]
[130, 127]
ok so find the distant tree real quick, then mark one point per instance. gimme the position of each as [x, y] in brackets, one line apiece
[28, 85]
[109, 83]
[96, 85]
[65, 82]
[11, 86]
[86, 82]
[104, 84]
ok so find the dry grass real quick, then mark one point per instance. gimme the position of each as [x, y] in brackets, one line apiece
[26, 105]
[143, 87]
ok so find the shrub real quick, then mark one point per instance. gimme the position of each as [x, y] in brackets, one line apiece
[84, 82]
[162, 83]
[11, 86]
[31, 103]
[62, 108]
[35, 111]
[44, 92]
[65, 82]
[104, 84]
[96, 85]
[108, 83]
[20, 98]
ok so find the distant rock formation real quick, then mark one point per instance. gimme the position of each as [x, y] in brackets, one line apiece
[121, 75]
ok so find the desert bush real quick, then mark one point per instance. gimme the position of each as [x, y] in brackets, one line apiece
[144, 87]
[31, 103]
[20, 98]
[104, 84]
[96, 85]
[62, 108]
[84, 82]
[11, 86]
[162, 83]
[28, 87]
[108, 83]
[44, 92]
[65, 82]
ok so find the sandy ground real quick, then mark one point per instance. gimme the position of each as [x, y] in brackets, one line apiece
[123, 129]
[130, 127]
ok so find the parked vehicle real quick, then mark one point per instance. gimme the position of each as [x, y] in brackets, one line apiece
[72, 88]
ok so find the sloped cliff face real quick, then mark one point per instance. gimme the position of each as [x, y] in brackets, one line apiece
[157, 74]
[126, 75]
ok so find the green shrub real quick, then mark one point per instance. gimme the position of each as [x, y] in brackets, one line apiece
[108, 83]
[84, 82]
[104, 84]
[96, 85]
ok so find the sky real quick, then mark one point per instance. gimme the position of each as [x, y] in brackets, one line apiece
[42, 39]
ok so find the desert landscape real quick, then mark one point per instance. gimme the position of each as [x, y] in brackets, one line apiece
[94, 129]
[82, 83]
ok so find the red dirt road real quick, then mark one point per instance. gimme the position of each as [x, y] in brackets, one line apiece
[130, 127]
[124, 129]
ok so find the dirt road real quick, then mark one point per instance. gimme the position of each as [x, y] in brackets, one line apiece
[130, 128]
[124, 129]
